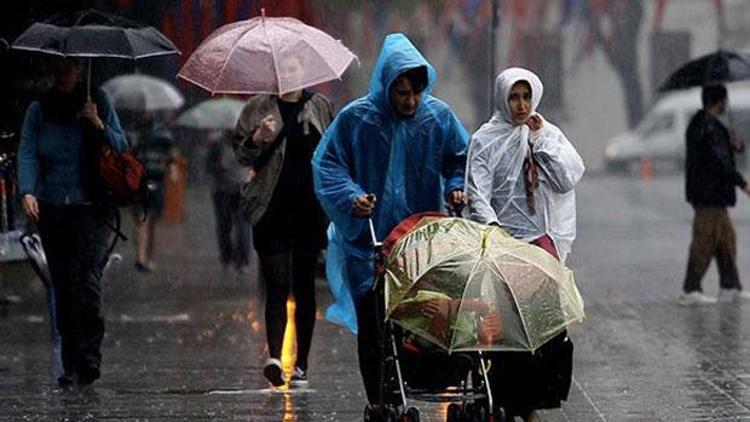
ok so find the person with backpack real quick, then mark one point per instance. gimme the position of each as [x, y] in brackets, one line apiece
[154, 148]
[59, 186]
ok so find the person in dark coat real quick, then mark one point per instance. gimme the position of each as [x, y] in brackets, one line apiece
[232, 230]
[710, 182]
[56, 181]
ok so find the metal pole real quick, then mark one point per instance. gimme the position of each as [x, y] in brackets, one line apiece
[493, 51]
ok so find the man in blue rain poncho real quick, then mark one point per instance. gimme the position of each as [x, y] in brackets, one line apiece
[401, 148]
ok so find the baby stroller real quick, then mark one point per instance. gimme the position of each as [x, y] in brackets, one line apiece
[414, 367]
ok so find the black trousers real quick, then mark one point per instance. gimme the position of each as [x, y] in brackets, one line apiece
[287, 263]
[370, 345]
[232, 231]
[74, 238]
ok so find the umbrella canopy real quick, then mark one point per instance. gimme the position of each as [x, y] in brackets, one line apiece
[91, 33]
[219, 113]
[719, 67]
[266, 56]
[465, 286]
[143, 93]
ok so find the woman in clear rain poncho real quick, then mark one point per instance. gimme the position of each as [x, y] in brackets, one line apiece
[520, 175]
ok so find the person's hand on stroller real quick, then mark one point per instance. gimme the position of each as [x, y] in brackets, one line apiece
[456, 201]
[363, 205]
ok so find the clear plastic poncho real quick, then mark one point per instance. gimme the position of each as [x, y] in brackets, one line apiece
[495, 182]
[409, 164]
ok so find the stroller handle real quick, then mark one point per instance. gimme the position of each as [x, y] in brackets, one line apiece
[373, 236]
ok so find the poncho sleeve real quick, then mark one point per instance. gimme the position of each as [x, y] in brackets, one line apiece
[332, 174]
[479, 179]
[454, 161]
[557, 158]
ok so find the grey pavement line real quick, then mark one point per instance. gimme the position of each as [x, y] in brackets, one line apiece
[722, 391]
[702, 355]
[589, 399]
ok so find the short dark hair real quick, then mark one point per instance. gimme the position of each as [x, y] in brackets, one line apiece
[418, 78]
[713, 94]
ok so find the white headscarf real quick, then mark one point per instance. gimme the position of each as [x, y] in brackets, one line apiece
[495, 178]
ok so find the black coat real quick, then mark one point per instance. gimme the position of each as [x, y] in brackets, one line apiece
[710, 173]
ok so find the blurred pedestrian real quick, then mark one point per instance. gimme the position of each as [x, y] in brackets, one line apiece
[153, 145]
[57, 171]
[710, 181]
[276, 136]
[520, 176]
[401, 148]
[232, 230]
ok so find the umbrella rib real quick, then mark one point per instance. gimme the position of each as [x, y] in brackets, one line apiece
[235, 44]
[427, 270]
[515, 302]
[460, 306]
[273, 51]
[335, 71]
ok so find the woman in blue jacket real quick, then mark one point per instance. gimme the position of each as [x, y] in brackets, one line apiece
[58, 183]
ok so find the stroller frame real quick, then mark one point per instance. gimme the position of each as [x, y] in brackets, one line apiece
[467, 402]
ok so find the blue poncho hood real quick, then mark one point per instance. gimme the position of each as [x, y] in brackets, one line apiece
[397, 56]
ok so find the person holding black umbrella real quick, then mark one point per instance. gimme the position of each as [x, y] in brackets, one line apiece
[710, 181]
[58, 184]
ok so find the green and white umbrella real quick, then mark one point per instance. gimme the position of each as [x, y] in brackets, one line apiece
[465, 287]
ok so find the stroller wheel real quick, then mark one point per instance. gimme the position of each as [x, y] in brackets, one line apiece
[470, 412]
[454, 413]
[411, 415]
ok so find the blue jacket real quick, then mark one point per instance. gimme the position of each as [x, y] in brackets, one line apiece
[49, 154]
[410, 164]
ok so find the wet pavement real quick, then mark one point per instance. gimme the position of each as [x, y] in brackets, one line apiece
[187, 342]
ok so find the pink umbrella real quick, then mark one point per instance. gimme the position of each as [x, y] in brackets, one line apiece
[266, 56]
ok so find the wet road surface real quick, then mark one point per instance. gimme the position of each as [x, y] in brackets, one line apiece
[187, 342]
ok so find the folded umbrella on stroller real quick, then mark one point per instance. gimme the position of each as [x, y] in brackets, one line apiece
[465, 287]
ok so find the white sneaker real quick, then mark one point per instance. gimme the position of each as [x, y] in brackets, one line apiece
[273, 372]
[733, 295]
[695, 298]
[299, 377]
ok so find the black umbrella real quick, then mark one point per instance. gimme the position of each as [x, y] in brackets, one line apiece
[91, 34]
[719, 67]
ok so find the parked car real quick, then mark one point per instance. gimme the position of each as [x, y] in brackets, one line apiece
[660, 136]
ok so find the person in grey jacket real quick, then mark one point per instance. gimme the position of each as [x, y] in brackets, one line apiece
[275, 137]
[57, 178]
